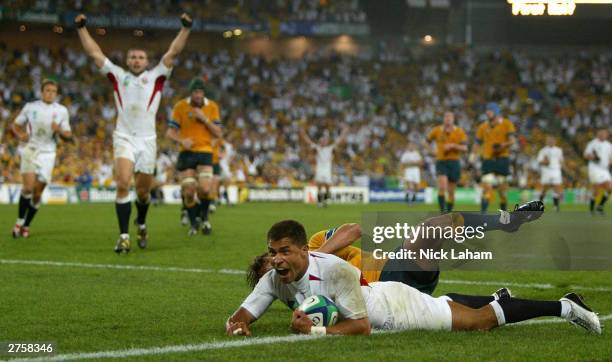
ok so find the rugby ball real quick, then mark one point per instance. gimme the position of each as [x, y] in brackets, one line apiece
[321, 310]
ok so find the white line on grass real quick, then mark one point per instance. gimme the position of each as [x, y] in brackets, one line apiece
[245, 342]
[118, 266]
[241, 272]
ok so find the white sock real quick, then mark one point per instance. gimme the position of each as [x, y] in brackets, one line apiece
[566, 307]
[124, 236]
[142, 226]
[20, 222]
[499, 313]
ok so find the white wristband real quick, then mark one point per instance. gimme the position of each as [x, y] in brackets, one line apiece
[318, 331]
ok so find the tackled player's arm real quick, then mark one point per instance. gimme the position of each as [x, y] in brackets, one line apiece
[344, 236]
[179, 41]
[89, 44]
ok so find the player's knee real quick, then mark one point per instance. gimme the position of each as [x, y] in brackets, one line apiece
[142, 194]
[485, 318]
[122, 185]
[36, 197]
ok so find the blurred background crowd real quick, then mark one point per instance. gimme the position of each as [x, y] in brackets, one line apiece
[388, 98]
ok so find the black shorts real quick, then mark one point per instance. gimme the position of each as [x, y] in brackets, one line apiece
[499, 166]
[405, 271]
[216, 169]
[188, 160]
[449, 168]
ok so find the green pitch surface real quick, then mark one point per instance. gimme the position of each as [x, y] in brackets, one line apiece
[169, 302]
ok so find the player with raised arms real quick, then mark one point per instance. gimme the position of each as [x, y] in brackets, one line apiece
[324, 163]
[137, 94]
[38, 126]
[599, 154]
[550, 160]
[299, 273]
[450, 141]
[194, 125]
[495, 136]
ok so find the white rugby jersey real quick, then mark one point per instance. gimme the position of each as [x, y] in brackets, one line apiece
[555, 158]
[137, 98]
[327, 275]
[411, 156]
[603, 149]
[37, 118]
[325, 155]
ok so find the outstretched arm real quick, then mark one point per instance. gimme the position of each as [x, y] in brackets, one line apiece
[238, 323]
[342, 138]
[306, 138]
[179, 42]
[346, 235]
[91, 47]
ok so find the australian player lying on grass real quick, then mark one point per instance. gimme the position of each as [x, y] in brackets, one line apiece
[419, 274]
[298, 274]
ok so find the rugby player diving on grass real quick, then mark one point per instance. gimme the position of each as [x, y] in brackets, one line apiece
[298, 273]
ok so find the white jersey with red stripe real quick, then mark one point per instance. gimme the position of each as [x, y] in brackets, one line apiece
[137, 98]
[327, 275]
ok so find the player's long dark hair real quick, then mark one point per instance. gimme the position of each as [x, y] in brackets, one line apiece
[255, 270]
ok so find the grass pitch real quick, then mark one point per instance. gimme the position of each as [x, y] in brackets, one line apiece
[188, 286]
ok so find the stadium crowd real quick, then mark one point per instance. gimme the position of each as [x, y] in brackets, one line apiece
[243, 11]
[386, 102]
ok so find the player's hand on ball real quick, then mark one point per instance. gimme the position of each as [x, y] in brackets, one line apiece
[237, 329]
[80, 20]
[300, 322]
[186, 20]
